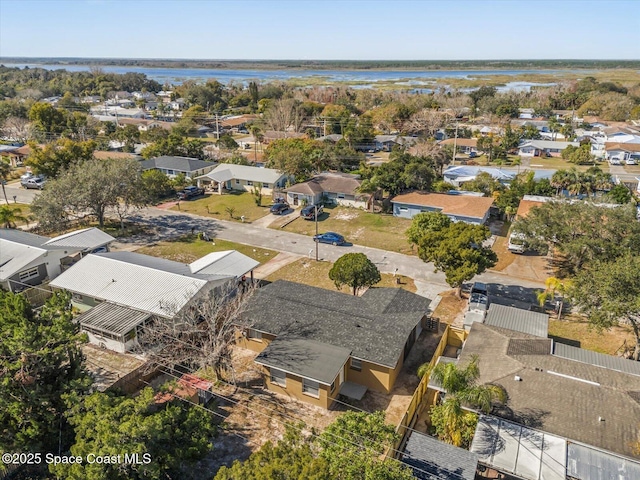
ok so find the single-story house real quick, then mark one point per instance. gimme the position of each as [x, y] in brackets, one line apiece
[459, 208]
[576, 394]
[144, 125]
[15, 155]
[314, 344]
[237, 122]
[535, 148]
[119, 291]
[464, 145]
[622, 151]
[528, 202]
[172, 166]
[457, 175]
[27, 259]
[336, 188]
[387, 142]
[243, 178]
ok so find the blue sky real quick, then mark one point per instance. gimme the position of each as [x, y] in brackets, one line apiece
[319, 29]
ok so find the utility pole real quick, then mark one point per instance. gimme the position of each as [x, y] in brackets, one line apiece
[316, 220]
[217, 127]
[455, 141]
[325, 127]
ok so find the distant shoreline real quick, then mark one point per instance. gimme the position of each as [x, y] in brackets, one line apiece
[373, 65]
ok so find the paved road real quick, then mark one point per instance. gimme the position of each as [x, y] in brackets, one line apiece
[22, 194]
[170, 223]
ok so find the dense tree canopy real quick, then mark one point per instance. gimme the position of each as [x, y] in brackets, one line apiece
[456, 249]
[354, 270]
[608, 293]
[93, 188]
[581, 232]
[41, 363]
[403, 172]
[173, 435]
[55, 157]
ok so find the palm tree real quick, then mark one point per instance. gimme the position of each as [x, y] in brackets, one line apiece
[258, 137]
[9, 216]
[5, 170]
[462, 390]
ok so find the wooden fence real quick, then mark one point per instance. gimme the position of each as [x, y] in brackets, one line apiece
[135, 380]
[451, 337]
[37, 296]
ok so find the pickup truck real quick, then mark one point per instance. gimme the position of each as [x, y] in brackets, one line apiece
[190, 192]
[33, 182]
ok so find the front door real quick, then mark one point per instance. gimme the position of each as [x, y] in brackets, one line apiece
[295, 199]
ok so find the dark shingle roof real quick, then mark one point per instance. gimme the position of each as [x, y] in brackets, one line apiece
[180, 164]
[435, 460]
[373, 327]
[329, 183]
[557, 395]
[306, 358]
[517, 319]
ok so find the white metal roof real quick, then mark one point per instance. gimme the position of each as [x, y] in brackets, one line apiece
[228, 262]
[228, 171]
[15, 256]
[86, 239]
[137, 286]
[519, 450]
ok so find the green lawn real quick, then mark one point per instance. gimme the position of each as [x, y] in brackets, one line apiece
[189, 248]
[363, 228]
[574, 329]
[215, 205]
[316, 274]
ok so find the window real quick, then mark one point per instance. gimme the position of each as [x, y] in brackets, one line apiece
[356, 364]
[249, 183]
[311, 388]
[265, 185]
[237, 182]
[27, 274]
[254, 335]
[171, 172]
[341, 195]
[404, 209]
[278, 377]
[333, 386]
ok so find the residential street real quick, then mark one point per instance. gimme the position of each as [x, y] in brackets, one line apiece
[22, 194]
[169, 223]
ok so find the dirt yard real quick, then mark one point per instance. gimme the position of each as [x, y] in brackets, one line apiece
[451, 308]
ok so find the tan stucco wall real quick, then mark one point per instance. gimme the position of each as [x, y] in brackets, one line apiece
[373, 376]
[294, 390]
[253, 344]
[249, 188]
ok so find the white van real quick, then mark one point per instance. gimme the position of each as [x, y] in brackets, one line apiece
[517, 243]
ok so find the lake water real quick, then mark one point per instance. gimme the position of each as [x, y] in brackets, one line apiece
[361, 78]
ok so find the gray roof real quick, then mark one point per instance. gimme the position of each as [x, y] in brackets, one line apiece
[547, 144]
[86, 239]
[14, 257]
[24, 238]
[179, 164]
[374, 327]
[113, 319]
[229, 263]
[329, 183]
[557, 395]
[590, 357]
[141, 282]
[305, 358]
[517, 319]
[435, 460]
[229, 171]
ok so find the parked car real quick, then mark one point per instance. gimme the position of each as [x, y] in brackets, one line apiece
[190, 192]
[479, 287]
[279, 208]
[34, 182]
[632, 161]
[478, 303]
[516, 243]
[330, 237]
[309, 212]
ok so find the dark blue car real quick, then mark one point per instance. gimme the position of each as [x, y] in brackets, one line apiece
[330, 237]
[279, 208]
